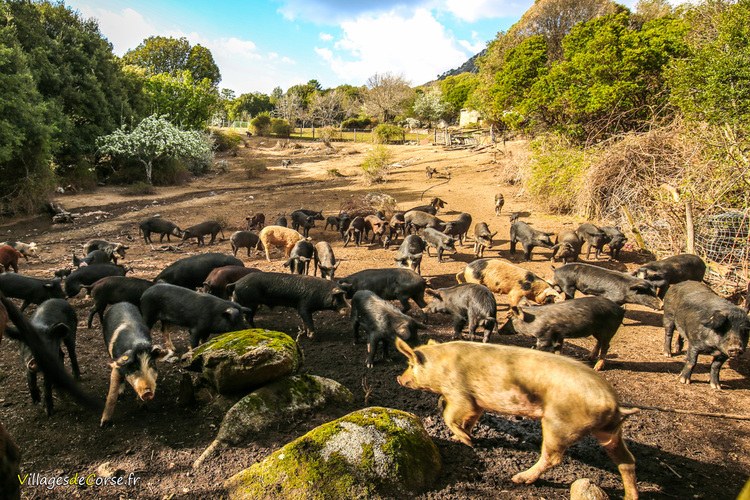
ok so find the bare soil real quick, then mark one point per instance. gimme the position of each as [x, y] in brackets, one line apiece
[678, 456]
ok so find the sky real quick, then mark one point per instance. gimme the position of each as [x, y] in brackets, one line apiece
[262, 44]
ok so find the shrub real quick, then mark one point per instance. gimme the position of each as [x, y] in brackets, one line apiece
[81, 176]
[376, 164]
[138, 189]
[171, 172]
[328, 134]
[361, 122]
[226, 141]
[261, 124]
[556, 173]
[385, 133]
[280, 127]
[253, 168]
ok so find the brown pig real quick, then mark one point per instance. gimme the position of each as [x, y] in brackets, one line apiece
[500, 276]
[277, 236]
[569, 398]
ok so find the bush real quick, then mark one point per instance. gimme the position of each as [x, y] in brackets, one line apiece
[171, 172]
[280, 127]
[81, 176]
[385, 133]
[253, 168]
[362, 122]
[138, 189]
[556, 173]
[328, 134]
[226, 141]
[261, 124]
[376, 164]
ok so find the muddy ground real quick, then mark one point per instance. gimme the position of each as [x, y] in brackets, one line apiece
[678, 456]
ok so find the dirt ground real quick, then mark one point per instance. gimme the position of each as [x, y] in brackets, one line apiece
[678, 456]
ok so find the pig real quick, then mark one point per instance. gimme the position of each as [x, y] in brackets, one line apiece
[618, 287]
[615, 240]
[439, 241]
[325, 260]
[432, 208]
[501, 276]
[160, 226]
[571, 399]
[315, 214]
[382, 324]
[397, 224]
[128, 342]
[94, 257]
[344, 223]
[9, 257]
[281, 221]
[520, 232]
[710, 324]
[417, 220]
[675, 269]
[551, 324]
[389, 284]
[332, 221]
[198, 231]
[218, 279]
[55, 321]
[302, 220]
[26, 249]
[10, 466]
[499, 202]
[307, 294]
[192, 271]
[459, 227]
[567, 247]
[201, 313]
[30, 290]
[256, 221]
[410, 253]
[300, 257]
[466, 303]
[594, 236]
[281, 237]
[355, 231]
[378, 227]
[3, 321]
[111, 248]
[244, 239]
[482, 238]
[114, 289]
[88, 275]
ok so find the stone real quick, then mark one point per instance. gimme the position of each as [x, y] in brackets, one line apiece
[239, 362]
[585, 489]
[370, 453]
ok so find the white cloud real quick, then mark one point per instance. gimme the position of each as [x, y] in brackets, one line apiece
[125, 29]
[416, 46]
[476, 45]
[326, 37]
[474, 10]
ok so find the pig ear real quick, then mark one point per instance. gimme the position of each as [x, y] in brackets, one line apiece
[716, 321]
[338, 291]
[59, 330]
[158, 352]
[231, 312]
[288, 263]
[432, 342]
[413, 356]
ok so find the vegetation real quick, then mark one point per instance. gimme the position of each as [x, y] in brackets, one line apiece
[226, 141]
[172, 56]
[376, 164]
[385, 133]
[280, 127]
[261, 124]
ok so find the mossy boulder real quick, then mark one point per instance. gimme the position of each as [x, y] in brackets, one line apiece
[284, 399]
[370, 453]
[238, 362]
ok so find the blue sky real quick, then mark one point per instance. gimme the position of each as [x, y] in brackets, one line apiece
[261, 44]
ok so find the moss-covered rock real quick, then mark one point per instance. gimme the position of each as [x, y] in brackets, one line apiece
[284, 399]
[369, 453]
[245, 360]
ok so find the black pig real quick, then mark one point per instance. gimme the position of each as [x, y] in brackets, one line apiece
[198, 231]
[671, 270]
[300, 257]
[389, 284]
[114, 289]
[160, 226]
[482, 238]
[192, 271]
[615, 240]
[522, 233]
[466, 303]
[88, 275]
[618, 287]
[440, 241]
[410, 253]
[30, 290]
[710, 324]
[459, 228]
[594, 236]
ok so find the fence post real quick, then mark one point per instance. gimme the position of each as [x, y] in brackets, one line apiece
[355, 135]
[690, 228]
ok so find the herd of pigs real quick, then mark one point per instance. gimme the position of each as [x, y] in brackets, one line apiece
[213, 293]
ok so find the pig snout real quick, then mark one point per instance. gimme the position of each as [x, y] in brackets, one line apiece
[734, 348]
[147, 395]
[31, 365]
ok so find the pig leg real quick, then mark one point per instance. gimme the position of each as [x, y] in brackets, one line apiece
[687, 371]
[167, 338]
[460, 416]
[459, 322]
[115, 383]
[527, 252]
[48, 395]
[603, 348]
[668, 333]
[307, 319]
[715, 367]
[615, 447]
[31, 380]
[70, 345]
[557, 436]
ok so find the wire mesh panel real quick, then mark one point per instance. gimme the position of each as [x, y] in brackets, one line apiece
[723, 240]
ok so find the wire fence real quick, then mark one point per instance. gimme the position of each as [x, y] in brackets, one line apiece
[723, 239]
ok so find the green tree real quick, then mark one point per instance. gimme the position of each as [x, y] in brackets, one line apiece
[154, 139]
[186, 102]
[248, 105]
[457, 89]
[200, 63]
[160, 54]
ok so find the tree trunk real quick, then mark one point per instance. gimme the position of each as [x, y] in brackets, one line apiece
[149, 170]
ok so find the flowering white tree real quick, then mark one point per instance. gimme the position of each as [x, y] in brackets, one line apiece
[430, 106]
[153, 139]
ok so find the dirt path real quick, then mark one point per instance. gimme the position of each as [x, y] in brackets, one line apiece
[679, 456]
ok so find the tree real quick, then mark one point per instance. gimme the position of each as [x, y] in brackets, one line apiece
[186, 102]
[290, 107]
[327, 107]
[155, 138]
[456, 91]
[386, 94]
[248, 105]
[200, 63]
[430, 106]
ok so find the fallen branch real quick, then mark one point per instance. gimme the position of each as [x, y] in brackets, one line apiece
[438, 184]
[731, 416]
